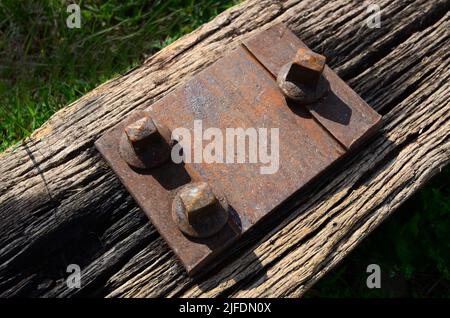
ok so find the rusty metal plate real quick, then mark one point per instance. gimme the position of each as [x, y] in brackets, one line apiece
[238, 91]
[342, 112]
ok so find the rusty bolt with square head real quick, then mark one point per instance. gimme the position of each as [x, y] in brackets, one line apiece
[302, 79]
[144, 143]
[198, 212]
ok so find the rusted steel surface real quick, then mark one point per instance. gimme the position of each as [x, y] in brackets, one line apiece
[240, 91]
[237, 92]
[342, 112]
[154, 191]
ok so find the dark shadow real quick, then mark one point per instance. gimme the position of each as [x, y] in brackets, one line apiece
[297, 109]
[170, 175]
[238, 251]
[230, 231]
[333, 108]
[35, 263]
[38, 169]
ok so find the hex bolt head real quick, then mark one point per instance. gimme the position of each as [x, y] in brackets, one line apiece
[198, 212]
[141, 130]
[142, 145]
[306, 68]
[302, 79]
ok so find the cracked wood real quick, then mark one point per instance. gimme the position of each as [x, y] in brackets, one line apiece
[60, 204]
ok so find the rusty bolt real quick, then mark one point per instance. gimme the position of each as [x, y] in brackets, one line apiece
[142, 145]
[198, 212]
[302, 79]
[141, 130]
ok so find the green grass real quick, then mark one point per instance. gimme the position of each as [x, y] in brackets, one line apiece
[44, 66]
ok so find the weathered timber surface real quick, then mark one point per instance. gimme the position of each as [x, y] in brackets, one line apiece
[60, 203]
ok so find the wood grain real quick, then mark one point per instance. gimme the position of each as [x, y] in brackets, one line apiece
[60, 203]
